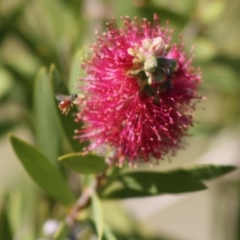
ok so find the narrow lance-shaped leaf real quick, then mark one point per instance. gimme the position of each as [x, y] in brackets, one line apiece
[97, 215]
[42, 171]
[47, 131]
[18, 203]
[5, 228]
[143, 184]
[6, 85]
[108, 234]
[86, 164]
[67, 121]
[237, 221]
[76, 72]
[140, 184]
[206, 172]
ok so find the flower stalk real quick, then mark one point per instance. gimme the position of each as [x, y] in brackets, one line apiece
[85, 199]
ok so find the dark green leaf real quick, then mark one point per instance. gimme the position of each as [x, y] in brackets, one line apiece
[11, 20]
[86, 164]
[67, 121]
[6, 84]
[5, 228]
[5, 126]
[143, 184]
[207, 172]
[42, 171]
[97, 215]
[47, 132]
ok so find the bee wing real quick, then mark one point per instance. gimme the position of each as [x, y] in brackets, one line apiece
[60, 97]
[166, 63]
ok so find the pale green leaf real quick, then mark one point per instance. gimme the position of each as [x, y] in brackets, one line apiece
[97, 215]
[42, 171]
[76, 72]
[47, 132]
[108, 234]
[86, 164]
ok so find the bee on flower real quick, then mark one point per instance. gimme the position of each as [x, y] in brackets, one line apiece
[140, 91]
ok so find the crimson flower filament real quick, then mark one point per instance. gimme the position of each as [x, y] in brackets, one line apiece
[139, 93]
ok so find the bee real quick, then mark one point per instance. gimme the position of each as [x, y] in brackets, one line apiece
[167, 63]
[66, 102]
[167, 84]
[167, 67]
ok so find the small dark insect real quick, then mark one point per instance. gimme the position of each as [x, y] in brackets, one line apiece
[167, 63]
[169, 77]
[66, 102]
[167, 84]
[168, 67]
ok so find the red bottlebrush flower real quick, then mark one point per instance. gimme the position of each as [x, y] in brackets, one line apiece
[139, 92]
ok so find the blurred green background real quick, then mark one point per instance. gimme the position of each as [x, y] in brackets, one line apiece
[36, 33]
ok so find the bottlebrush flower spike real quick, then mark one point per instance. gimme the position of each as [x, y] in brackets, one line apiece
[140, 91]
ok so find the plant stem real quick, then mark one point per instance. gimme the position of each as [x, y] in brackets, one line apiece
[85, 199]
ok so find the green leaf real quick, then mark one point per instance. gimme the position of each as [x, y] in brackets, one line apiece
[62, 232]
[76, 72]
[42, 171]
[207, 171]
[6, 125]
[236, 193]
[47, 132]
[143, 184]
[86, 164]
[11, 19]
[6, 84]
[5, 228]
[67, 121]
[18, 206]
[97, 214]
[108, 234]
